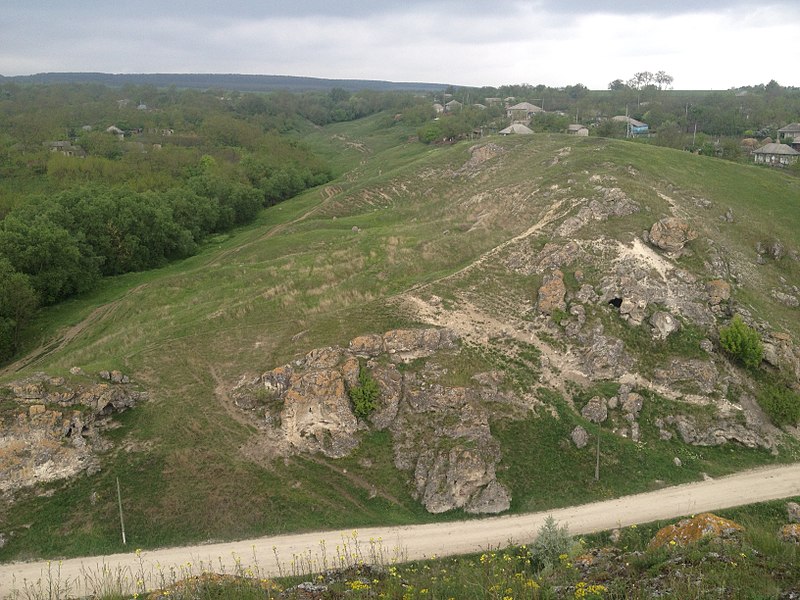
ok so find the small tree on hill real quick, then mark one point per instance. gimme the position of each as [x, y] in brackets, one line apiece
[364, 396]
[742, 342]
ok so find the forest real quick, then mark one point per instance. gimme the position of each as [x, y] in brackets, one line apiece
[98, 181]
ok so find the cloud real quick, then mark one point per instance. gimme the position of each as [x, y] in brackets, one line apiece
[702, 43]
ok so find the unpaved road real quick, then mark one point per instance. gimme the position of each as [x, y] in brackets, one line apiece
[411, 542]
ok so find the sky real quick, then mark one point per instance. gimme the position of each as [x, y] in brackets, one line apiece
[702, 44]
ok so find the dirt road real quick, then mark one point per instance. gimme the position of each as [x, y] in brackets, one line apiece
[316, 550]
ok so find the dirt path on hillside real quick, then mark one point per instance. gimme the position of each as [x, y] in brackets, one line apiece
[416, 541]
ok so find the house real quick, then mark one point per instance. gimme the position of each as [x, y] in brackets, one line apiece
[779, 155]
[114, 130]
[493, 101]
[453, 106]
[517, 128]
[523, 111]
[438, 108]
[577, 129]
[65, 148]
[792, 130]
[634, 127]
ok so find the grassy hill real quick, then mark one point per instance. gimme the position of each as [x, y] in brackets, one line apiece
[401, 221]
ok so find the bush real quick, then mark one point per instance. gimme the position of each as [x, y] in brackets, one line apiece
[742, 342]
[551, 542]
[781, 404]
[365, 395]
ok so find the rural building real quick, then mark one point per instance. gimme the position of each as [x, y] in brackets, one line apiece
[65, 148]
[779, 155]
[517, 128]
[523, 111]
[577, 129]
[438, 108]
[792, 130]
[634, 127]
[453, 106]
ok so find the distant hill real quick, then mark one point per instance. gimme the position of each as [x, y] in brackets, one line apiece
[244, 83]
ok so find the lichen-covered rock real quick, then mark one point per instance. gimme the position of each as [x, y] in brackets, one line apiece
[580, 437]
[716, 433]
[317, 416]
[367, 345]
[790, 533]
[718, 291]
[663, 324]
[595, 410]
[793, 512]
[671, 234]
[702, 374]
[689, 531]
[551, 293]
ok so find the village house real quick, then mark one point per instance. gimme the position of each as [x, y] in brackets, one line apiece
[453, 106]
[523, 111]
[438, 108]
[778, 155]
[790, 135]
[577, 129]
[66, 148]
[635, 127]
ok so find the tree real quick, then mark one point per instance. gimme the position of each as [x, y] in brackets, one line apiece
[18, 302]
[663, 81]
[618, 85]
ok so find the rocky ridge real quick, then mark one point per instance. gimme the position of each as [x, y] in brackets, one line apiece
[440, 434]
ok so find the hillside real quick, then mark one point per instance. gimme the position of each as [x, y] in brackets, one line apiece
[501, 293]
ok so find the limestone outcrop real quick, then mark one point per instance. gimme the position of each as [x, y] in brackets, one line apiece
[440, 434]
[50, 428]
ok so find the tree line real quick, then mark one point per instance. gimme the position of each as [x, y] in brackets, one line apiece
[187, 164]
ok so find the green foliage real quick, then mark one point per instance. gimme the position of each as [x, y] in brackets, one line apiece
[18, 301]
[742, 342]
[780, 403]
[365, 395]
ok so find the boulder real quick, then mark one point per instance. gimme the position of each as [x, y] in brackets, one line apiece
[663, 324]
[671, 234]
[595, 410]
[793, 512]
[492, 499]
[700, 373]
[633, 310]
[580, 437]
[632, 403]
[790, 533]
[718, 291]
[551, 293]
[689, 531]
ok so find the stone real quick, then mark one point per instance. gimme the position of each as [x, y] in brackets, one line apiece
[700, 373]
[718, 291]
[677, 462]
[446, 480]
[595, 410]
[632, 404]
[633, 310]
[580, 437]
[635, 432]
[694, 529]
[367, 345]
[663, 324]
[790, 533]
[793, 512]
[37, 409]
[76, 371]
[492, 499]
[671, 234]
[551, 293]
[105, 375]
[707, 345]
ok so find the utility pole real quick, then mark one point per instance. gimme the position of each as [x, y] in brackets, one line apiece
[121, 521]
[597, 462]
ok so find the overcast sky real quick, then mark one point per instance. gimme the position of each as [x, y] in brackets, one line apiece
[703, 44]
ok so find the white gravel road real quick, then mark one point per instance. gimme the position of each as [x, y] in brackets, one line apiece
[410, 542]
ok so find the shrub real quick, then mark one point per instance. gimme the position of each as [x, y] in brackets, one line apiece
[551, 542]
[781, 404]
[364, 396]
[742, 342]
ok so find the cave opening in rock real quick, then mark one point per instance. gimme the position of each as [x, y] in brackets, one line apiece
[615, 302]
